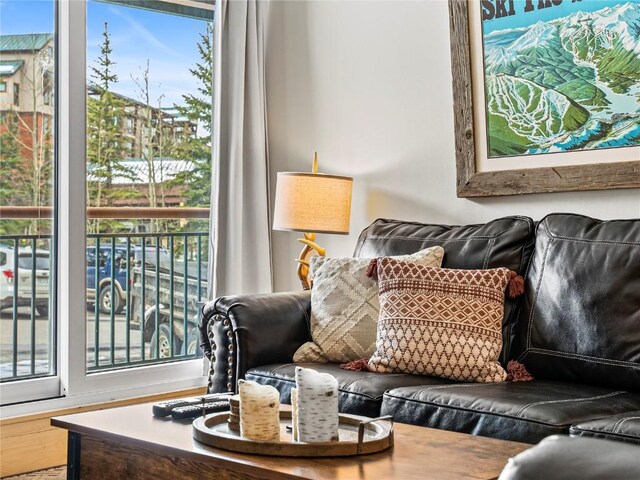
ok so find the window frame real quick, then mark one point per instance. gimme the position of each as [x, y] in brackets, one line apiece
[73, 385]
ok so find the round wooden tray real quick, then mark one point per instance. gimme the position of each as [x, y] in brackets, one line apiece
[358, 436]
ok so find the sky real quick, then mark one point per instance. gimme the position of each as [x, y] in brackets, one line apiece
[567, 7]
[167, 41]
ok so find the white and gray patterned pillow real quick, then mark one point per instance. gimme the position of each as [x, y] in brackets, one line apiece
[345, 307]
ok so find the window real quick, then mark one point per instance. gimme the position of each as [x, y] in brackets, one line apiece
[28, 169]
[88, 345]
[3, 87]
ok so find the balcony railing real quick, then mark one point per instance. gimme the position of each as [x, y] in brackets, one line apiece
[143, 292]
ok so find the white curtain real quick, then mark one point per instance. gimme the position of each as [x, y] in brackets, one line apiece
[240, 232]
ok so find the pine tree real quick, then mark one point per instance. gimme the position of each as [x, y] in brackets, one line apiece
[105, 116]
[197, 109]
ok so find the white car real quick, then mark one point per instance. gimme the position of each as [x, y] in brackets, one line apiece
[22, 277]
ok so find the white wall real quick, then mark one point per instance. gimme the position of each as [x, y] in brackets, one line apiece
[368, 85]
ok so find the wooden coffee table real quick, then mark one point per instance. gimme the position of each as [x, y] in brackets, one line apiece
[128, 442]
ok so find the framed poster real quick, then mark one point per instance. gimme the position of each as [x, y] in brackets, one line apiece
[546, 95]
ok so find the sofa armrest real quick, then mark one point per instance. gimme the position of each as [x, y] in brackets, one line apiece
[245, 331]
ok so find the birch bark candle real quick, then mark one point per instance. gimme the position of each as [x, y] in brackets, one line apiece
[259, 411]
[317, 401]
[294, 413]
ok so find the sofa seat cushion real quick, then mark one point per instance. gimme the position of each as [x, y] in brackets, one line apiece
[521, 411]
[359, 393]
[564, 458]
[625, 427]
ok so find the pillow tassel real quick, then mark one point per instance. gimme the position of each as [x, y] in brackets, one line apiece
[517, 372]
[359, 365]
[515, 288]
[372, 269]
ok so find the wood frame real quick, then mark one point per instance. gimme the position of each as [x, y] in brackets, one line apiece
[471, 183]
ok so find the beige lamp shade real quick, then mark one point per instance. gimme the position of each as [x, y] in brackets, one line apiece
[312, 202]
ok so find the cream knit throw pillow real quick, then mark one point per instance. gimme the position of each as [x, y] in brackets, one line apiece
[345, 307]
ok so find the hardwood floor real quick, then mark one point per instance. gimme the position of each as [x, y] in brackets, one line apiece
[56, 473]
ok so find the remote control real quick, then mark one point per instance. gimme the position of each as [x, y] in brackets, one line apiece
[164, 409]
[192, 411]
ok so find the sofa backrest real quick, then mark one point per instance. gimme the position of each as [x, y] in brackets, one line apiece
[580, 316]
[504, 242]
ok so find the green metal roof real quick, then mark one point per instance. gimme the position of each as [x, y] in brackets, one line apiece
[9, 67]
[24, 43]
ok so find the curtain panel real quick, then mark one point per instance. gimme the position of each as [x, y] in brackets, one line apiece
[240, 226]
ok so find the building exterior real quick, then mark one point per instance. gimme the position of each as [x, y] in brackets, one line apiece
[144, 139]
[143, 125]
[26, 90]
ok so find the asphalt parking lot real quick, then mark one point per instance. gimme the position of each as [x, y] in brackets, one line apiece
[42, 344]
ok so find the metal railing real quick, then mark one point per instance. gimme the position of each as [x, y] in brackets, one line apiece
[148, 287]
[25, 283]
[143, 293]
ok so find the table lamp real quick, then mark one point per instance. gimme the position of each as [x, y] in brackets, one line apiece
[312, 203]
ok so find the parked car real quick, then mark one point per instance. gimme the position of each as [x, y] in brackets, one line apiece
[21, 278]
[103, 298]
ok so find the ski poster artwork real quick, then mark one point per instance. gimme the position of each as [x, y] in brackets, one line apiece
[560, 75]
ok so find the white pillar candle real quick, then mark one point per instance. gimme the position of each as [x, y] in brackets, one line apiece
[294, 413]
[259, 411]
[317, 399]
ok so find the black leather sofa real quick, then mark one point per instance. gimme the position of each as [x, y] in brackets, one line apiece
[563, 458]
[576, 329]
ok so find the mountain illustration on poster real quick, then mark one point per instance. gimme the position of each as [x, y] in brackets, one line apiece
[561, 78]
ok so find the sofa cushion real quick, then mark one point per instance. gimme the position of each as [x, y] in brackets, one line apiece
[580, 320]
[345, 307]
[521, 411]
[564, 458]
[625, 427]
[360, 393]
[439, 321]
[504, 242]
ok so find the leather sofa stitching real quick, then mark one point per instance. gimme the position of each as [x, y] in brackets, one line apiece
[619, 423]
[584, 240]
[517, 221]
[600, 242]
[587, 240]
[535, 296]
[454, 385]
[553, 402]
[585, 358]
[605, 432]
[485, 262]
[503, 415]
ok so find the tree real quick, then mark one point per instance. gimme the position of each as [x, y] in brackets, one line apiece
[154, 144]
[27, 140]
[14, 178]
[197, 109]
[105, 116]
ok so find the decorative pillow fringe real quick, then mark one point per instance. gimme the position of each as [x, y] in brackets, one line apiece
[372, 270]
[360, 365]
[517, 372]
[515, 288]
